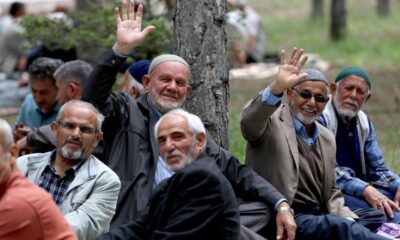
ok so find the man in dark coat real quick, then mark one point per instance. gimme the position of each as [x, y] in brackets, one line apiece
[130, 146]
[197, 202]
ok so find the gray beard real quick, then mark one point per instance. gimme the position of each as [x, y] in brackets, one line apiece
[71, 155]
[346, 114]
[301, 117]
[161, 106]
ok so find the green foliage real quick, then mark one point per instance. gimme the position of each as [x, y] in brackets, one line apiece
[92, 29]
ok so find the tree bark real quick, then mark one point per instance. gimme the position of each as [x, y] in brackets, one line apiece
[317, 9]
[383, 8]
[338, 20]
[200, 39]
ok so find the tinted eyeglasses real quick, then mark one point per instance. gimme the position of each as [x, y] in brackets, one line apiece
[305, 94]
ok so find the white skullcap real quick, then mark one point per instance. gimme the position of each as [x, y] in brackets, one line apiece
[166, 58]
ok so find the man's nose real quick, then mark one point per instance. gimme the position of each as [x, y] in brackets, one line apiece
[172, 86]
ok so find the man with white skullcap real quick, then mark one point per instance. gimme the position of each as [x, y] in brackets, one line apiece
[131, 148]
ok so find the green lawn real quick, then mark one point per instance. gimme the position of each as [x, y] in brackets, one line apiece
[372, 43]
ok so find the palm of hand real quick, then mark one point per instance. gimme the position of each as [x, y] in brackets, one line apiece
[129, 32]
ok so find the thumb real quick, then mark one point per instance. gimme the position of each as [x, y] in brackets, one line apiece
[148, 30]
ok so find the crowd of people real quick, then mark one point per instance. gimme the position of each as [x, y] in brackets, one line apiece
[100, 164]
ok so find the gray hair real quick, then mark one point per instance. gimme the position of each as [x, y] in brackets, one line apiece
[7, 138]
[80, 103]
[74, 71]
[132, 82]
[44, 68]
[195, 125]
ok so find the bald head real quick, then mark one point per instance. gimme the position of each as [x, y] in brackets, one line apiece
[6, 136]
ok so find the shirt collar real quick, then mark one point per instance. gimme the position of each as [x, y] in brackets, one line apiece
[74, 168]
[301, 131]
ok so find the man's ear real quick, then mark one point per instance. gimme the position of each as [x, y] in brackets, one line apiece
[73, 89]
[189, 90]
[146, 82]
[333, 87]
[289, 92]
[134, 92]
[200, 140]
[368, 97]
[13, 153]
[54, 126]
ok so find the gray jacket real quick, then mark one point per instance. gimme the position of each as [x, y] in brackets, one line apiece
[91, 198]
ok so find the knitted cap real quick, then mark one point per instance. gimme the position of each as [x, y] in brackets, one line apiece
[138, 69]
[357, 71]
[166, 58]
[313, 75]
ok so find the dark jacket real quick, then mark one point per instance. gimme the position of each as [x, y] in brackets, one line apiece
[131, 149]
[196, 203]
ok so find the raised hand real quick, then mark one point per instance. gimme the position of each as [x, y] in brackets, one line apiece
[129, 27]
[288, 73]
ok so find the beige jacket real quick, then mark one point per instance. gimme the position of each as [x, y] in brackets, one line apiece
[273, 152]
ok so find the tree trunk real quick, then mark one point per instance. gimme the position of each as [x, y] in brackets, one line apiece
[338, 20]
[383, 8]
[317, 9]
[201, 40]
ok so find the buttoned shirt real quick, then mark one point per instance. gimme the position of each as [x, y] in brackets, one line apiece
[54, 184]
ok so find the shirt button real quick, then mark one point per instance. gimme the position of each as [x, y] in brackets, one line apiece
[113, 61]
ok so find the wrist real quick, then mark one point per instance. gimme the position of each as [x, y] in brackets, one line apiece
[284, 207]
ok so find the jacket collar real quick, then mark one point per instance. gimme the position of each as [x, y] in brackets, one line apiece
[88, 170]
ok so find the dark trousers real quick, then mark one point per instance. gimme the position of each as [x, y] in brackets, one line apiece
[329, 226]
[254, 217]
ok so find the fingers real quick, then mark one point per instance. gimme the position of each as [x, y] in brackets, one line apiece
[279, 231]
[387, 208]
[131, 10]
[282, 59]
[292, 56]
[302, 62]
[148, 30]
[139, 14]
[117, 16]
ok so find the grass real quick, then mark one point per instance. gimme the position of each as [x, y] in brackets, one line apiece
[372, 42]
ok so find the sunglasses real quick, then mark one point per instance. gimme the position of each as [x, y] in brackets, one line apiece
[305, 94]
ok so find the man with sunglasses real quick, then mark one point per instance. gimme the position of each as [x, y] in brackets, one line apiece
[84, 189]
[361, 171]
[296, 154]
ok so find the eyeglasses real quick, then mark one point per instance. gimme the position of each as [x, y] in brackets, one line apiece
[305, 94]
[73, 126]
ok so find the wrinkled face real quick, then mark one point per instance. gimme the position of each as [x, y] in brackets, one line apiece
[178, 146]
[307, 110]
[168, 85]
[75, 133]
[350, 95]
[44, 92]
[63, 95]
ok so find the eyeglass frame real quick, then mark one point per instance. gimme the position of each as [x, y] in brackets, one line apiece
[308, 97]
[83, 129]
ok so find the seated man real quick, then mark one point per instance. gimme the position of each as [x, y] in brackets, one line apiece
[84, 188]
[130, 145]
[69, 79]
[27, 212]
[361, 171]
[197, 202]
[40, 107]
[296, 154]
[132, 84]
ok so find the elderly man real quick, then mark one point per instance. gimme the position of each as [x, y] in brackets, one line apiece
[69, 79]
[197, 202]
[361, 171]
[133, 76]
[83, 187]
[130, 144]
[40, 107]
[296, 154]
[27, 212]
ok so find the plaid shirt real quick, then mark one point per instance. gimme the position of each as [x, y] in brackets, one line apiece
[378, 174]
[54, 184]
